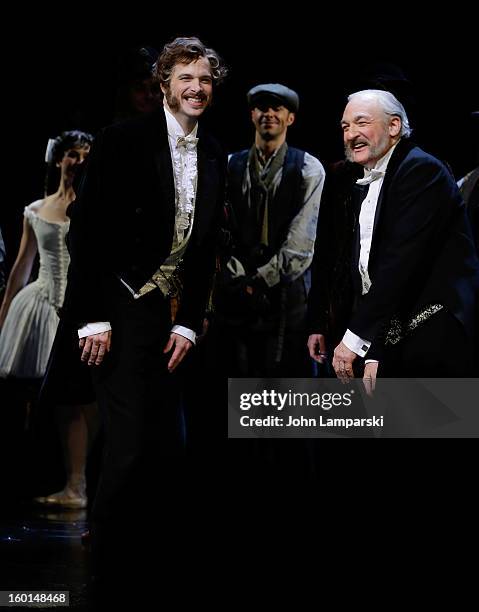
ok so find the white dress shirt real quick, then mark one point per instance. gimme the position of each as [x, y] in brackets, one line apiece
[374, 178]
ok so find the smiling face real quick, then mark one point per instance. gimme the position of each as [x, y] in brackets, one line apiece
[189, 90]
[368, 132]
[271, 120]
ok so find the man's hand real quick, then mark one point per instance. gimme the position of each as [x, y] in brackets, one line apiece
[95, 347]
[182, 346]
[369, 377]
[343, 362]
[317, 347]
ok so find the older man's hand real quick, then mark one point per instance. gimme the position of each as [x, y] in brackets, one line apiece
[343, 362]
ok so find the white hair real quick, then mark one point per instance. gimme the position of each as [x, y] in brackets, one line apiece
[388, 103]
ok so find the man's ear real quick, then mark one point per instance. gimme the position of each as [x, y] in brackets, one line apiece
[163, 88]
[395, 125]
[290, 120]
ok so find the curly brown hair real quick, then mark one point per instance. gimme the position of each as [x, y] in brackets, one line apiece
[185, 51]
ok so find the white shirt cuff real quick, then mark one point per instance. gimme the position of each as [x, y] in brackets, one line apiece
[94, 328]
[189, 334]
[356, 344]
[366, 361]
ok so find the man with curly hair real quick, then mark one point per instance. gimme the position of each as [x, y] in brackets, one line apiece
[142, 238]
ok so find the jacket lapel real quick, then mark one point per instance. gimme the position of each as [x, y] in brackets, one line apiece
[207, 187]
[400, 152]
[160, 148]
[359, 193]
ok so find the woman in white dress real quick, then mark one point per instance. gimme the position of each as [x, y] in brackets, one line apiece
[28, 314]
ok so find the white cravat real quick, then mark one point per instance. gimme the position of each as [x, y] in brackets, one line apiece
[189, 142]
[370, 176]
[184, 156]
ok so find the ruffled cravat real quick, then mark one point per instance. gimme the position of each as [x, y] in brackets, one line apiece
[370, 176]
[185, 168]
[189, 142]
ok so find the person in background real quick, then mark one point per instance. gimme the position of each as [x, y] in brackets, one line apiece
[29, 311]
[273, 200]
[138, 92]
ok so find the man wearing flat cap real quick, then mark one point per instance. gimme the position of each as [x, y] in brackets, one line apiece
[274, 193]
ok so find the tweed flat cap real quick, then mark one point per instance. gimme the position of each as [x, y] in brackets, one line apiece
[273, 91]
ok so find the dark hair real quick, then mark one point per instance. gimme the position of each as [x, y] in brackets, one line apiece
[56, 150]
[185, 51]
[66, 141]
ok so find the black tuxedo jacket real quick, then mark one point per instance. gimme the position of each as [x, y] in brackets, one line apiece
[422, 250]
[123, 220]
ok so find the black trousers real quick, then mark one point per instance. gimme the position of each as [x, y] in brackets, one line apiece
[140, 483]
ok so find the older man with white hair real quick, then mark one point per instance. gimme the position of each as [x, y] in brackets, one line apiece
[414, 268]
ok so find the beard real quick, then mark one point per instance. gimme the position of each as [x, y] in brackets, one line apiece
[348, 152]
[172, 100]
[375, 151]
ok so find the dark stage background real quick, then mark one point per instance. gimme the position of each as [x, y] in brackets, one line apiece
[63, 77]
[66, 79]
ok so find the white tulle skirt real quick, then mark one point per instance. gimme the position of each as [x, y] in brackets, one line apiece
[27, 335]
